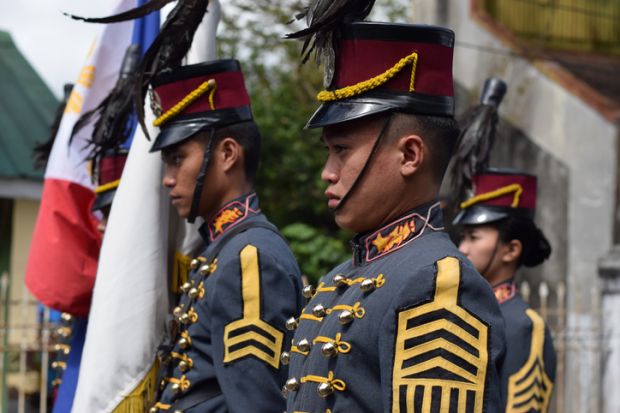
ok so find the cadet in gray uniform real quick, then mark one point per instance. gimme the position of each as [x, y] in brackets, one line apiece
[499, 236]
[406, 325]
[225, 356]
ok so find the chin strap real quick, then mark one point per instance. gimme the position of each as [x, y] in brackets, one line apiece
[200, 180]
[486, 268]
[366, 166]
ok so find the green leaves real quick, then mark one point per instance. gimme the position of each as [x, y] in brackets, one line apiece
[316, 252]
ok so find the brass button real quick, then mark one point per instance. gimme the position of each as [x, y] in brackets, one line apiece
[285, 357]
[346, 317]
[368, 285]
[66, 317]
[178, 311]
[185, 287]
[184, 343]
[340, 280]
[329, 349]
[292, 384]
[185, 318]
[194, 263]
[183, 366]
[318, 311]
[153, 410]
[308, 291]
[176, 388]
[291, 324]
[193, 293]
[325, 389]
[204, 270]
[304, 345]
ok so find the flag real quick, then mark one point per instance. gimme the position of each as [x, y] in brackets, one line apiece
[143, 244]
[144, 31]
[130, 299]
[62, 262]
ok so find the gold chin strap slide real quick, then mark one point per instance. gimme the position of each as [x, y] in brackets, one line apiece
[372, 83]
[209, 85]
[505, 190]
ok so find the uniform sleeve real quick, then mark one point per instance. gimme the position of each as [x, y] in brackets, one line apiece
[248, 306]
[531, 385]
[440, 344]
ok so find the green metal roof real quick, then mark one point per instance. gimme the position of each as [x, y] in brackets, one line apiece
[27, 108]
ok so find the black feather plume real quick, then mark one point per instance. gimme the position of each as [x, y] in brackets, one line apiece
[41, 152]
[476, 140]
[169, 47]
[112, 127]
[325, 19]
[132, 14]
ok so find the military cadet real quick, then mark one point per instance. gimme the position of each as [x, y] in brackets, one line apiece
[108, 170]
[230, 320]
[500, 236]
[407, 324]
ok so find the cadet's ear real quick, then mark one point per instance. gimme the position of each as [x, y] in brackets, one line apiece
[411, 149]
[229, 152]
[513, 251]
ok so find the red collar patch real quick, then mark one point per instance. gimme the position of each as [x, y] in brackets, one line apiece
[505, 291]
[401, 232]
[232, 214]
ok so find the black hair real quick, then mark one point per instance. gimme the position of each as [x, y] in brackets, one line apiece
[440, 134]
[248, 136]
[536, 248]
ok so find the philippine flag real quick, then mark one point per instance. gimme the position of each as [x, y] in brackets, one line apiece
[65, 245]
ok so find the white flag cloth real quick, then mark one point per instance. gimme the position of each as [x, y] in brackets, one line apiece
[130, 300]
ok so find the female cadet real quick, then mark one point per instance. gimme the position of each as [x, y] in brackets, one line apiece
[499, 237]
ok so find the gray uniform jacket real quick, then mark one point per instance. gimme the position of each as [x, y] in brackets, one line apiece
[529, 366]
[231, 318]
[407, 325]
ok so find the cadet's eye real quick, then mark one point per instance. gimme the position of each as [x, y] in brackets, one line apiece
[339, 148]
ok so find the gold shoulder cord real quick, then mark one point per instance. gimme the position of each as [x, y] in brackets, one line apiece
[209, 85]
[372, 83]
[505, 190]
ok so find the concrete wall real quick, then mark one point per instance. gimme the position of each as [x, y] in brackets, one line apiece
[576, 137]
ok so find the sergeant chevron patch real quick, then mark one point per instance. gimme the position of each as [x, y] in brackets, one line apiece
[250, 336]
[529, 389]
[441, 355]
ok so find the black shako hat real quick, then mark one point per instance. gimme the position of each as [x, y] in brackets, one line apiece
[381, 67]
[198, 97]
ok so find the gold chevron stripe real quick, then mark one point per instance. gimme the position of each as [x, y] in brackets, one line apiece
[250, 291]
[532, 370]
[445, 299]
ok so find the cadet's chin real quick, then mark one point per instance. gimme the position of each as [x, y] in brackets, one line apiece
[345, 220]
[182, 212]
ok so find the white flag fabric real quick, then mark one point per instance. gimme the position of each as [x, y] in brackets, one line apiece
[130, 300]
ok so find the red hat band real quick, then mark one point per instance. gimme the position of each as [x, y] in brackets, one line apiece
[502, 189]
[193, 98]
